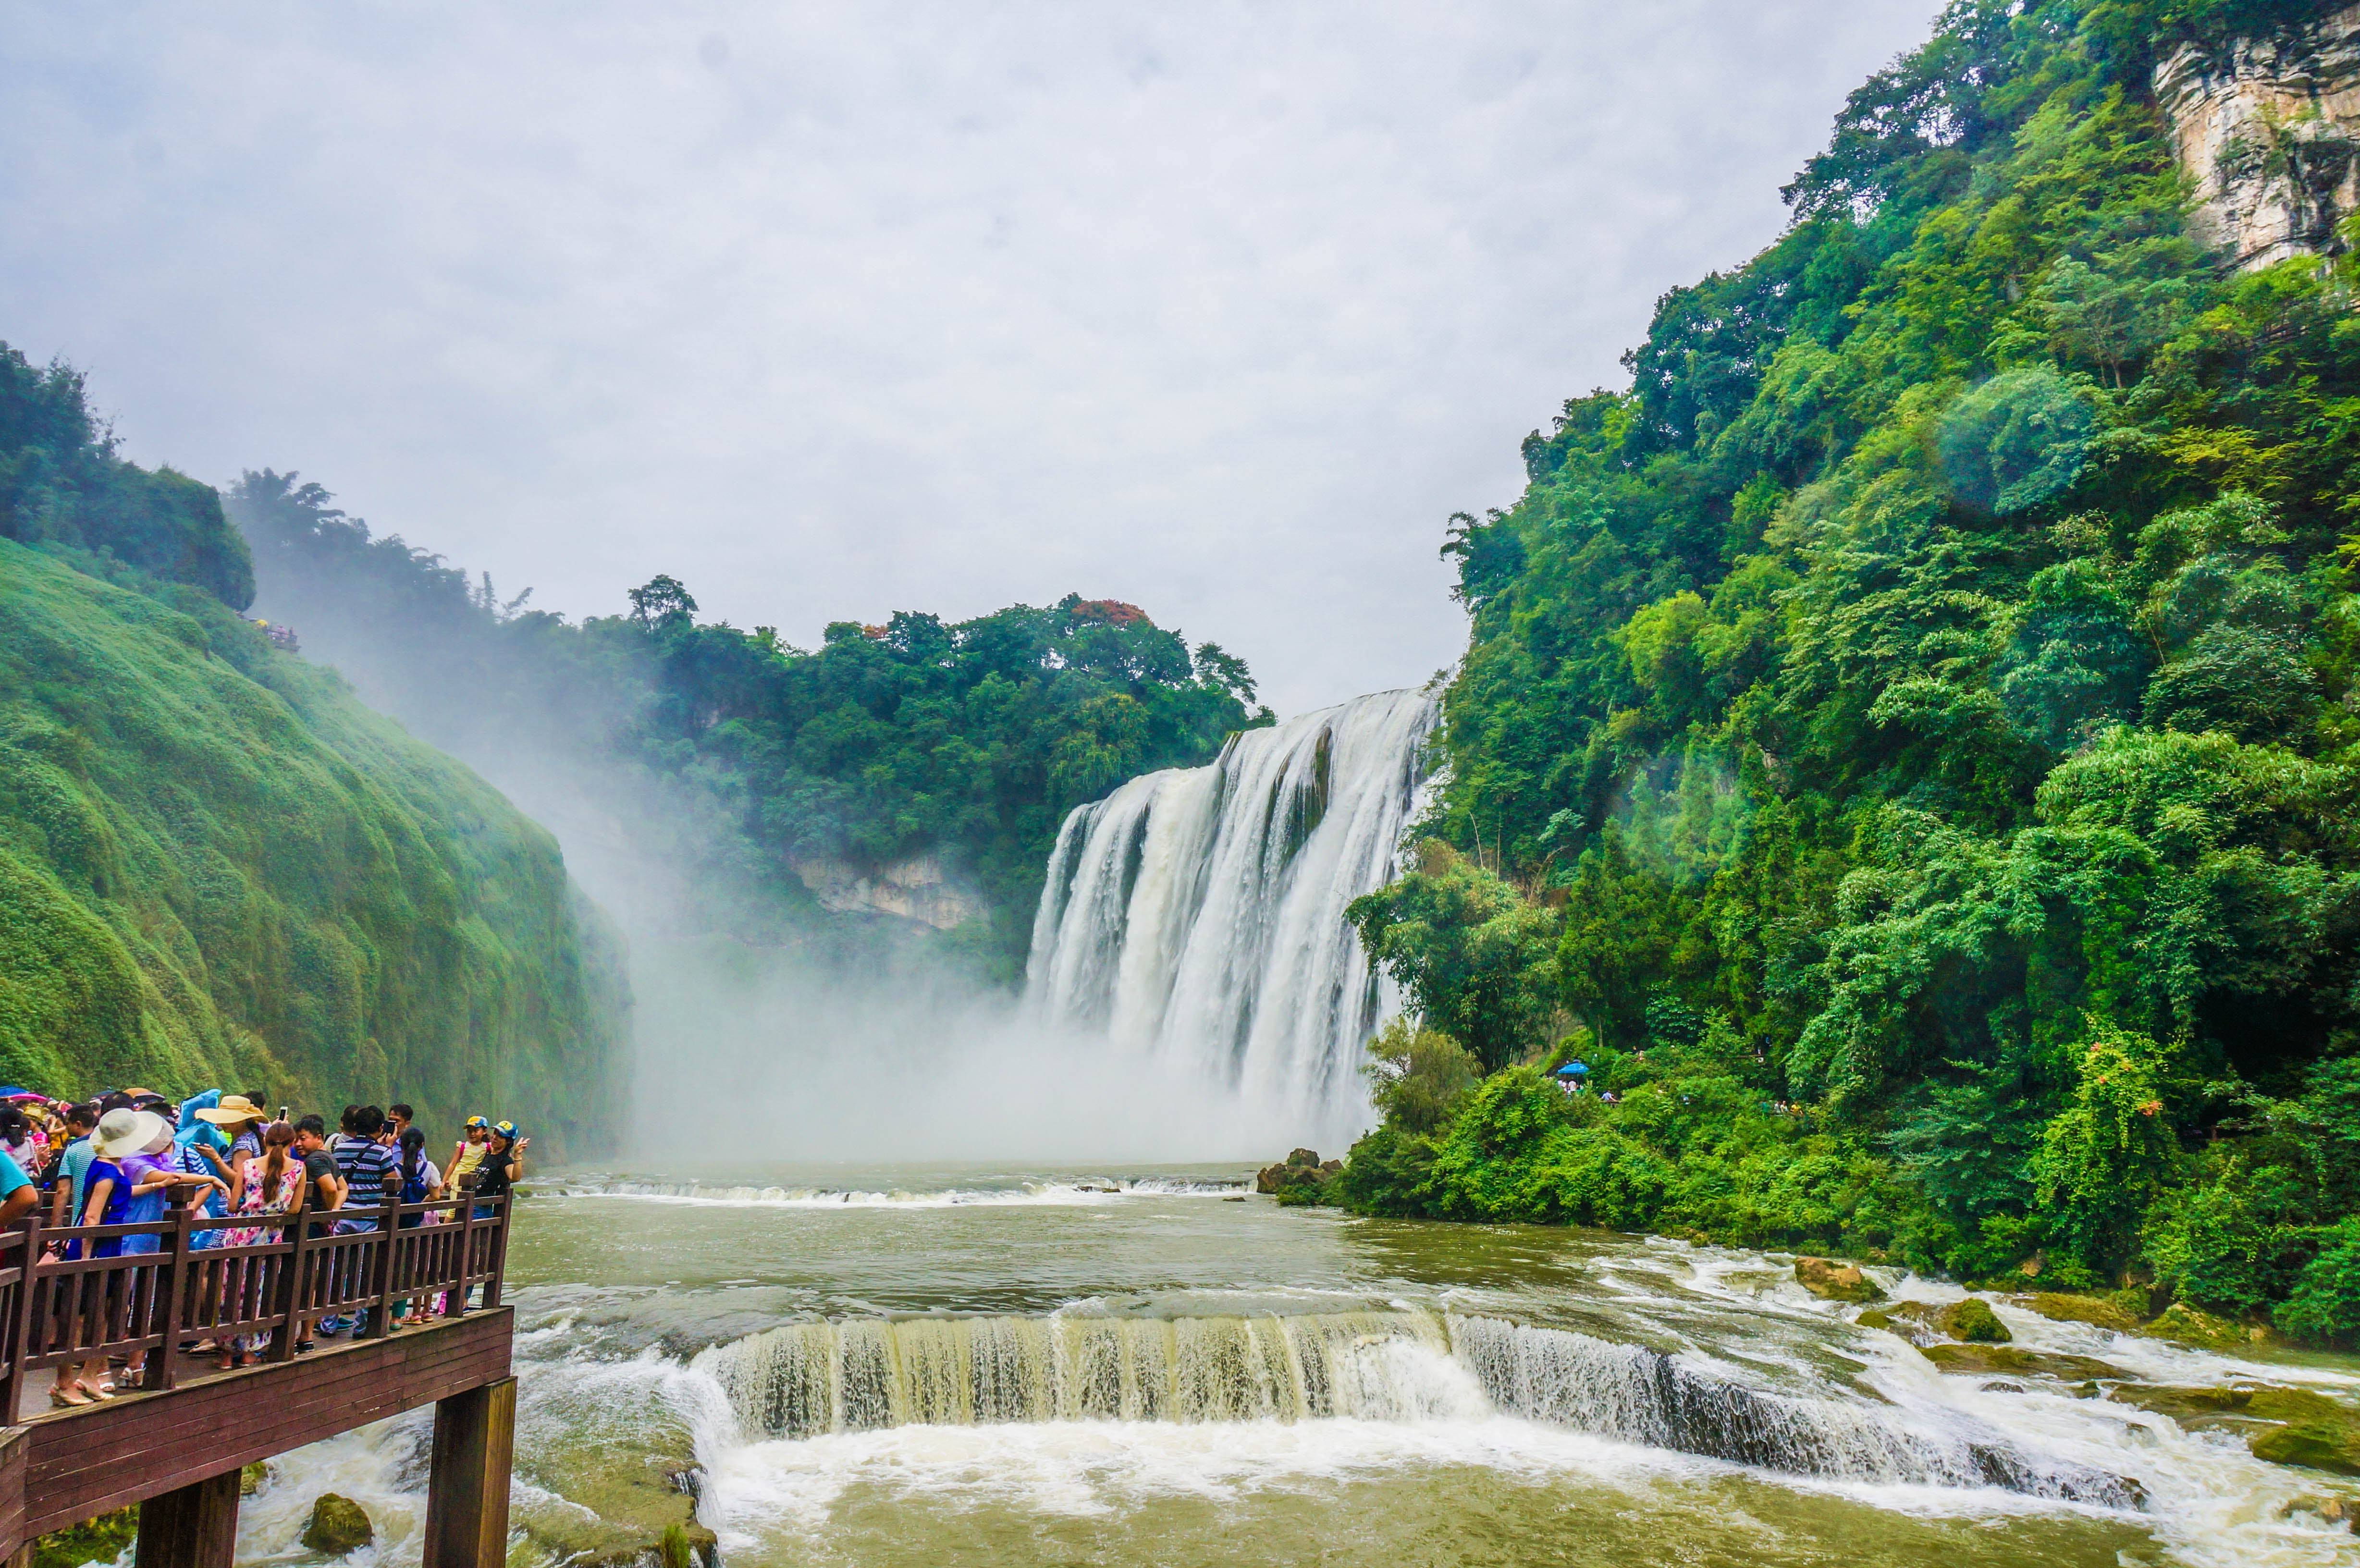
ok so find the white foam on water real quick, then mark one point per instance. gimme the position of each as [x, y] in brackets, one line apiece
[1081, 1193]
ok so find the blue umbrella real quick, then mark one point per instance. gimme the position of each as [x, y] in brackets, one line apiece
[1574, 1069]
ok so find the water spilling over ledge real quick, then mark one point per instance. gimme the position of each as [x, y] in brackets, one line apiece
[809, 1379]
[1197, 914]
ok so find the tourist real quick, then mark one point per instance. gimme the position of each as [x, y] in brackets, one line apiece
[273, 1185]
[503, 1167]
[420, 1182]
[17, 1193]
[397, 1117]
[366, 1165]
[121, 1134]
[325, 1191]
[238, 1120]
[69, 1161]
[467, 1155]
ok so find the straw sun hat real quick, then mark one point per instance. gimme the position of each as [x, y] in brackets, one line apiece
[127, 1131]
[235, 1110]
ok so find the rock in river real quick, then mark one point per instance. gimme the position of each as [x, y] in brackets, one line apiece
[337, 1526]
[1835, 1281]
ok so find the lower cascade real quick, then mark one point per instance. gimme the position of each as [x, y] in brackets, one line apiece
[1199, 913]
[810, 1379]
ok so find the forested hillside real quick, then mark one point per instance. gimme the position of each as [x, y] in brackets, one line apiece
[218, 869]
[743, 758]
[1906, 747]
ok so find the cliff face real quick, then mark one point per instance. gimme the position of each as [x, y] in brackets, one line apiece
[217, 868]
[2269, 132]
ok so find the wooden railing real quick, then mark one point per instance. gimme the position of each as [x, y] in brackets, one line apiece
[77, 1309]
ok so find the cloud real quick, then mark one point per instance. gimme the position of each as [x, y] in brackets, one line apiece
[840, 309]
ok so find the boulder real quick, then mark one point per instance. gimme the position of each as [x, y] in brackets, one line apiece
[1270, 1178]
[1974, 1320]
[1304, 1159]
[2190, 1326]
[2097, 1312]
[2314, 1432]
[1983, 1360]
[2285, 1426]
[337, 1526]
[1330, 1167]
[1835, 1281]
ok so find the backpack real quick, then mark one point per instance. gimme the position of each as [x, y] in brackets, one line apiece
[413, 1185]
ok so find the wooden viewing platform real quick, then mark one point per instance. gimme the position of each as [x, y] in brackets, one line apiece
[175, 1444]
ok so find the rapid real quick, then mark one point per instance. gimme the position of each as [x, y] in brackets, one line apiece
[933, 1366]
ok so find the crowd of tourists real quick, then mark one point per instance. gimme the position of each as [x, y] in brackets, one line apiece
[122, 1157]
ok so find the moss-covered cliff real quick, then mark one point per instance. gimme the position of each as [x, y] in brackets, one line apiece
[218, 868]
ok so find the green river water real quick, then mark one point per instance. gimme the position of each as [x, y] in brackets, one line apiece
[938, 1366]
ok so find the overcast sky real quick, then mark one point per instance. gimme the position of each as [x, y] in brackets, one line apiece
[835, 310]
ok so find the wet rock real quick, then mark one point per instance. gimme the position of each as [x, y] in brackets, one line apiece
[1876, 1317]
[1983, 1360]
[2335, 1510]
[252, 1478]
[1973, 1321]
[2285, 1426]
[1300, 1167]
[337, 1526]
[2190, 1326]
[2097, 1312]
[1835, 1282]
[2317, 1433]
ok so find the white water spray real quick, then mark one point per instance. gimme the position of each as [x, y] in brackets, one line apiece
[1195, 916]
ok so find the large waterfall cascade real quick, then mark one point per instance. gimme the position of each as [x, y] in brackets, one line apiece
[1196, 915]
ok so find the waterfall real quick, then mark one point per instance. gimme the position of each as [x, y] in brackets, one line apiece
[1197, 914]
[810, 1379]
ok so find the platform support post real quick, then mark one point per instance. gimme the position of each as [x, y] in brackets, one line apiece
[193, 1526]
[467, 1488]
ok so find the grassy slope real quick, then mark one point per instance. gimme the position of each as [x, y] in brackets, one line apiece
[218, 868]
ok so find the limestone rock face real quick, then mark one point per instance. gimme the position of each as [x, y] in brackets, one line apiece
[338, 1525]
[914, 889]
[1835, 1281]
[2270, 134]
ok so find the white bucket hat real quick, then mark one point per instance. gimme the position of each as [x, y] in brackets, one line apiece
[126, 1131]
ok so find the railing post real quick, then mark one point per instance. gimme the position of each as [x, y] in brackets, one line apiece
[495, 1265]
[456, 1302]
[20, 1331]
[380, 1322]
[291, 1286]
[175, 1247]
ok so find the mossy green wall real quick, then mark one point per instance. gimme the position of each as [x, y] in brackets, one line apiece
[218, 868]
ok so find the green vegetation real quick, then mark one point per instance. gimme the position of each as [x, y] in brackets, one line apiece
[217, 868]
[1907, 744]
[968, 741]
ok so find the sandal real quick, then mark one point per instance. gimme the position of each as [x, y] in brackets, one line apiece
[63, 1399]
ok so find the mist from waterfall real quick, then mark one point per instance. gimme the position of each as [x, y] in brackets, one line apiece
[1195, 917]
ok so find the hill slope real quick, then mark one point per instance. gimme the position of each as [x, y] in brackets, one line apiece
[218, 868]
[1907, 744]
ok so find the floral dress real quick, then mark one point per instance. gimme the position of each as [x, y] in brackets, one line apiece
[258, 1203]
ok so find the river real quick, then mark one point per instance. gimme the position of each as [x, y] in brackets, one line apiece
[939, 1367]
